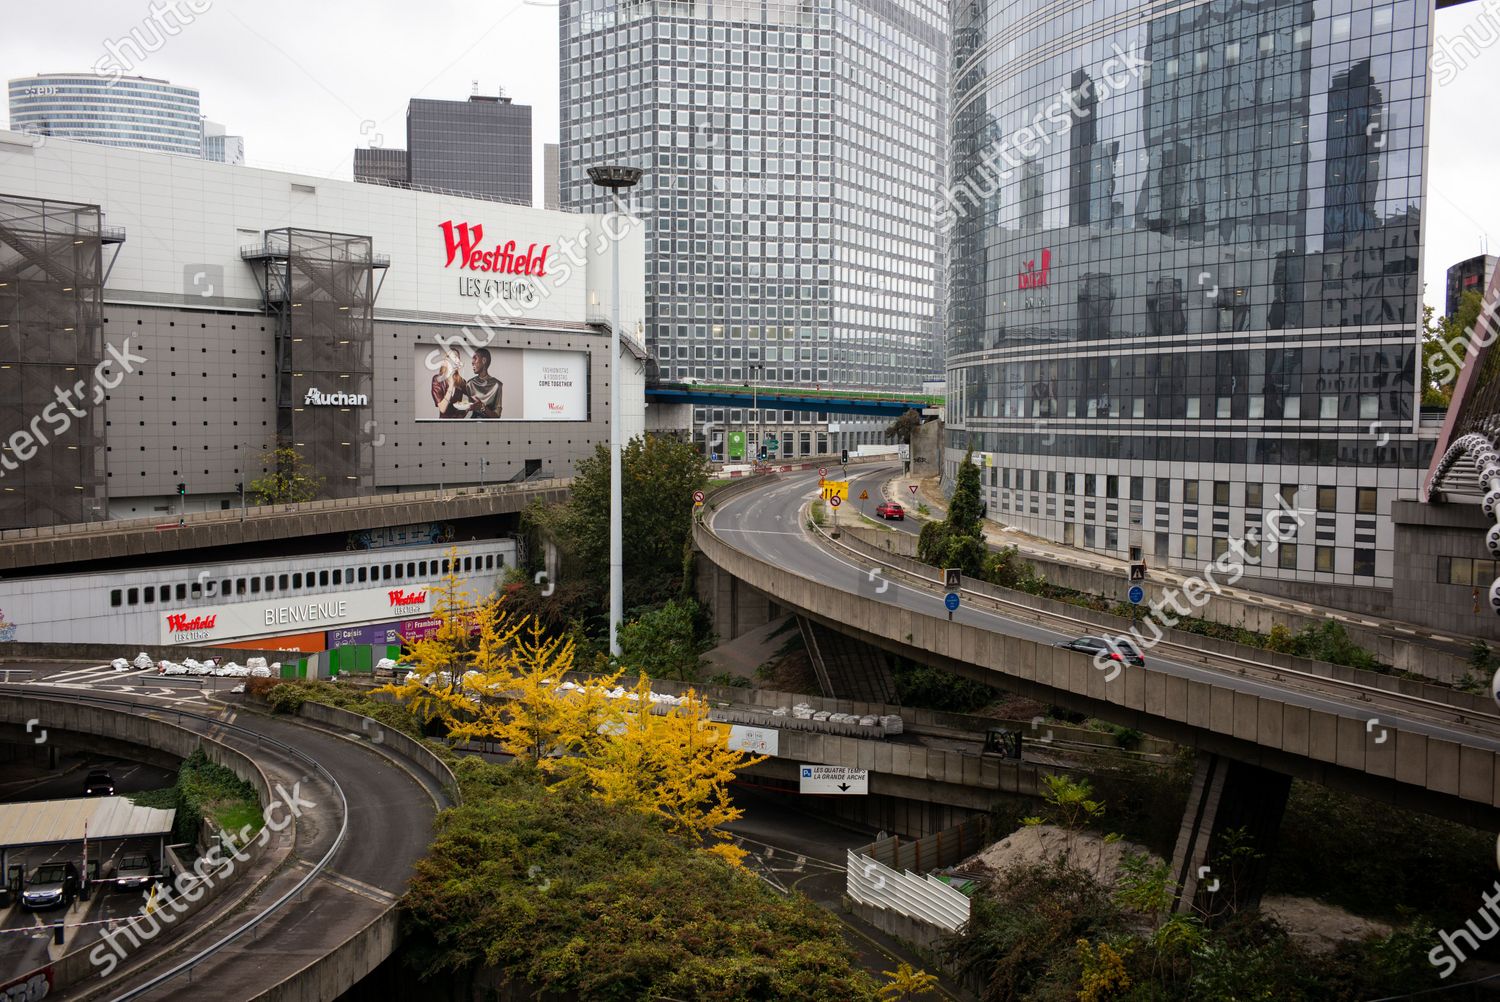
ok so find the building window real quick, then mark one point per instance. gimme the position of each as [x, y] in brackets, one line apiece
[1365, 499]
[1221, 492]
[114, 598]
[1364, 564]
[1190, 494]
[149, 595]
[1221, 546]
[1190, 547]
[1252, 495]
[1286, 557]
[1328, 499]
[1323, 559]
[1163, 489]
[1289, 494]
[133, 596]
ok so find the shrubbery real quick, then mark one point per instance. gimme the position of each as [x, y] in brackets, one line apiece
[568, 895]
[205, 790]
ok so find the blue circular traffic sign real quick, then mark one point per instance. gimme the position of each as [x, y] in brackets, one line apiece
[1137, 593]
[951, 601]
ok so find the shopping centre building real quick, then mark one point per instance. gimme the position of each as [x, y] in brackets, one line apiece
[167, 322]
[1186, 258]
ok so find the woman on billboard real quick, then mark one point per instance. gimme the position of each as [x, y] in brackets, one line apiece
[449, 391]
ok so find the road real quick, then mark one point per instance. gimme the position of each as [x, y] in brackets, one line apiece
[765, 524]
[389, 828]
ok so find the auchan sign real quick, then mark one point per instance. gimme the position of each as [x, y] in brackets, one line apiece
[269, 617]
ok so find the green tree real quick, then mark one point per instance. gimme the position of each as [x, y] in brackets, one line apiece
[288, 481]
[664, 642]
[965, 509]
[660, 474]
[904, 427]
[1445, 345]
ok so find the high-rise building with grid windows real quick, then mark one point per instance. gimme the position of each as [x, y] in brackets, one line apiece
[480, 147]
[1186, 277]
[793, 156]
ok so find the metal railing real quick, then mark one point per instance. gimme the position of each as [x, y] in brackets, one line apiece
[313, 873]
[109, 527]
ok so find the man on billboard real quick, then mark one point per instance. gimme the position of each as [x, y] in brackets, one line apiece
[483, 389]
[449, 392]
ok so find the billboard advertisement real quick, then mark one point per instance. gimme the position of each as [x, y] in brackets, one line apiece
[462, 383]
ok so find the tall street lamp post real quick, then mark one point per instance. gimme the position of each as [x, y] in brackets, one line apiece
[615, 179]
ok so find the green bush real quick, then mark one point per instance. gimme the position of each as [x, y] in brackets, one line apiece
[286, 698]
[934, 689]
[569, 897]
[205, 790]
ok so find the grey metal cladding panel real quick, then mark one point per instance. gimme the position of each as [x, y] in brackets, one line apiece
[202, 401]
[421, 453]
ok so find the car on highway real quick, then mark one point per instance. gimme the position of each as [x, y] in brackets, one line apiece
[99, 784]
[134, 872]
[51, 885]
[891, 509]
[1112, 648]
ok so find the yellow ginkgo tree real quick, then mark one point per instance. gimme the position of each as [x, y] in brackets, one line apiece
[507, 683]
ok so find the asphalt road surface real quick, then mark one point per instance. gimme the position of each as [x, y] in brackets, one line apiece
[765, 524]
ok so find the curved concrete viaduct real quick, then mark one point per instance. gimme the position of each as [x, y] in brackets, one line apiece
[321, 895]
[1412, 756]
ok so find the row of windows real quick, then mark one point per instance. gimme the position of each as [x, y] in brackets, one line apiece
[1463, 571]
[272, 584]
[1322, 498]
[1286, 558]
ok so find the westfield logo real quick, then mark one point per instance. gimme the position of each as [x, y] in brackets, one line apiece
[401, 598]
[178, 623]
[464, 243]
[1031, 278]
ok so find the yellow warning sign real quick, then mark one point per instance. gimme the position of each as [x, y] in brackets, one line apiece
[864, 495]
[831, 489]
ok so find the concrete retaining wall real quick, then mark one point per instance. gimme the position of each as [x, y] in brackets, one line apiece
[414, 751]
[1460, 781]
[152, 730]
[331, 975]
[105, 653]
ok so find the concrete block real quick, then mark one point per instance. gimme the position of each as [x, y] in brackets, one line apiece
[1476, 773]
[1268, 724]
[1221, 710]
[1322, 740]
[1156, 693]
[1295, 729]
[1352, 741]
[1442, 765]
[1246, 710]
[1196, 708]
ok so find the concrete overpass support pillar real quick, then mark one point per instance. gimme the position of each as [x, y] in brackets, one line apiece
[1229, 828]
[737, 608]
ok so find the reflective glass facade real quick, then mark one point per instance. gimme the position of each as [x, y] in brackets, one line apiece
[792, 158]
[135, 113]
[479, 147]
[1185, 271]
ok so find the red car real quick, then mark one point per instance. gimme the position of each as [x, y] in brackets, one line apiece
[890, 509]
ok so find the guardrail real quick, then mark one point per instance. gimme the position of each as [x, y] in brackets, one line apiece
[1061, 616]
[924, 898]
[369, 501]
[313, 873]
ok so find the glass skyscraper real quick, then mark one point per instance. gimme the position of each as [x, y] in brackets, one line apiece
[480, 147]
[137, 113]
[792, 156]
[1185, 280]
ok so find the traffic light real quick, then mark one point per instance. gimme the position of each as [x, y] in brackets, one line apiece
[844, 457]
[239, 488]
[762, 454]
[182, 489]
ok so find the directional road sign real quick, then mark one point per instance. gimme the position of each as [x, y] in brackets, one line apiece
[951, 601]
[835, 779]
[830, 489]
[1137, 593]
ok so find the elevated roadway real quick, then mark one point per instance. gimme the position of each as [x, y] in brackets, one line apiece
[336, 876]
[1416, 752]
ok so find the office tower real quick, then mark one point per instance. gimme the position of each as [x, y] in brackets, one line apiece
[792, 156]
[377, 165]
[1472, 275]
[224, 149]
[138, 113]
[481, 147]
[1184, 277]
[551, 199]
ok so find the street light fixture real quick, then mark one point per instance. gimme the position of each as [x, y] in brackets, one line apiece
[614, 179]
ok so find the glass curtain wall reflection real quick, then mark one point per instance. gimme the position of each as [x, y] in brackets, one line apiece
[1184, 279]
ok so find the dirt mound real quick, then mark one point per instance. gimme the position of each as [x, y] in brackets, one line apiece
[1318, 927]
[1043, 843]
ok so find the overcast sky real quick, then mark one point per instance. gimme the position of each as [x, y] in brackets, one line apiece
[305, 82]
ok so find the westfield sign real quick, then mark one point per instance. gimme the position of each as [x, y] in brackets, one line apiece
[464, 243]
[1031, 278]
[179, 623]
[400, 598]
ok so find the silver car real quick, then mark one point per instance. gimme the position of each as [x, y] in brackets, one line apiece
[135, 872]
[52, 885]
